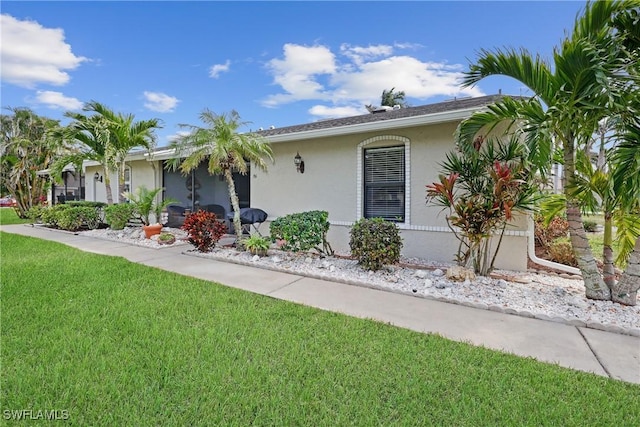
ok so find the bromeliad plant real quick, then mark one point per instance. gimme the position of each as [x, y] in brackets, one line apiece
[204, 230]
[482, 188]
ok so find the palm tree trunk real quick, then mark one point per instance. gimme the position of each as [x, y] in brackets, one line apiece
[595, 287]
[235, 203]
[107, 185]
[121, 183]
[626, 290]
[608, 269]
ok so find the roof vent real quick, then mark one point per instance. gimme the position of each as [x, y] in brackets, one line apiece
[382, 109]
[272, 127]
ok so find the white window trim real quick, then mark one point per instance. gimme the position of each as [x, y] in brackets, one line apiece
[393, 140]
[129, 181]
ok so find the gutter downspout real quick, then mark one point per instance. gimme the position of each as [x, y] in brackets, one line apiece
[545, 263]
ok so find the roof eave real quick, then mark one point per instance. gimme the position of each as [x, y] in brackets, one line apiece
[444, 117]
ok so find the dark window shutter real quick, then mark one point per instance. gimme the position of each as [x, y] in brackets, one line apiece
[384, 183]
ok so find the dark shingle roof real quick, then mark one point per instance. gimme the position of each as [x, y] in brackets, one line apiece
[423, 110]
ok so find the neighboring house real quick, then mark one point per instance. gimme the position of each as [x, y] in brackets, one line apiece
[71, 187]
[370, 165]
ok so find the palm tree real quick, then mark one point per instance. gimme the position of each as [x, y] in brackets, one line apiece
[125, 134]
[588, 82]
[390, 98]
[626, 157]
[224, 149]
[105, 137]
[89, 136]
[27, 146]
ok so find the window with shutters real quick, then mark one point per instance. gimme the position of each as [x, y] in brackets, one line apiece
[384, 183]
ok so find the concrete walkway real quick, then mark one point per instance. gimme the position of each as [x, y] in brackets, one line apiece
[603, 353]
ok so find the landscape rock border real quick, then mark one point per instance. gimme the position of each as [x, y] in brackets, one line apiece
[575, 302]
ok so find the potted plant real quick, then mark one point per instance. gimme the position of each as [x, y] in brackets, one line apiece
[257, 245]
[145, 204]
[166, 239]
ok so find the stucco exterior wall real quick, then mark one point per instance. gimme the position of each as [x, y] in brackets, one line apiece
[330, 182]
[142, 173]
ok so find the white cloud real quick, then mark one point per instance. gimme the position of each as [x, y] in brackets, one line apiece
[324, 111]
[215, 70]
[57, 100]
[160, 102]
[358, 54]
[358, 77]
[298, 72]
[31, 54]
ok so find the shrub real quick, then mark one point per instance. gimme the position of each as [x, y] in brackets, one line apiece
[561, 251]
[77, 217]
[35, 213]
[86, 203]
[303, 231]
[51, 215]
[375, 243]
[590, 226]
[203, 230]
[546, 233]
[118, 215]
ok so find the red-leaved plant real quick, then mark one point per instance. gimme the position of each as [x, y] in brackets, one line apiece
[481, 187]
[203, 230]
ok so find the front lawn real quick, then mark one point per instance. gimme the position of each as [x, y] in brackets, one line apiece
[117, 343]
[8, 216]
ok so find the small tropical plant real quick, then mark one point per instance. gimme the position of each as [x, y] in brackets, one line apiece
[375, 243]
[166, 238]
[257, 244]
[117, 215]
[145, 204]
[203, 230]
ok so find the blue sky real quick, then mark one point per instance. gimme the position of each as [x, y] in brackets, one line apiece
[276, 63]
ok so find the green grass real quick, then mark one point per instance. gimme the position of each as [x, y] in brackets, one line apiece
[117, 343]
[8, 216]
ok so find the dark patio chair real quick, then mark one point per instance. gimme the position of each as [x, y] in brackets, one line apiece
[175, 216]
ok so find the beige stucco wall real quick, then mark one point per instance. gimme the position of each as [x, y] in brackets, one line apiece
[330, 182]
[142, 173]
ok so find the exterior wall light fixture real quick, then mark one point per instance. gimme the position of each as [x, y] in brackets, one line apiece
[297, 160]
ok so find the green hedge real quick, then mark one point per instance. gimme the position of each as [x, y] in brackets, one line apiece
[72, 218]
[303, 231]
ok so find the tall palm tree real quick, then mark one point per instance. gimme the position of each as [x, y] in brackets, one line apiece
[587, 83]
[27, 146]
[224, 149]
[626, 157]
[89, 136]
[105, 137]
[125, 134]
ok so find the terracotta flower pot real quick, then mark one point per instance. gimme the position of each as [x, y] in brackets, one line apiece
[151, 230]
